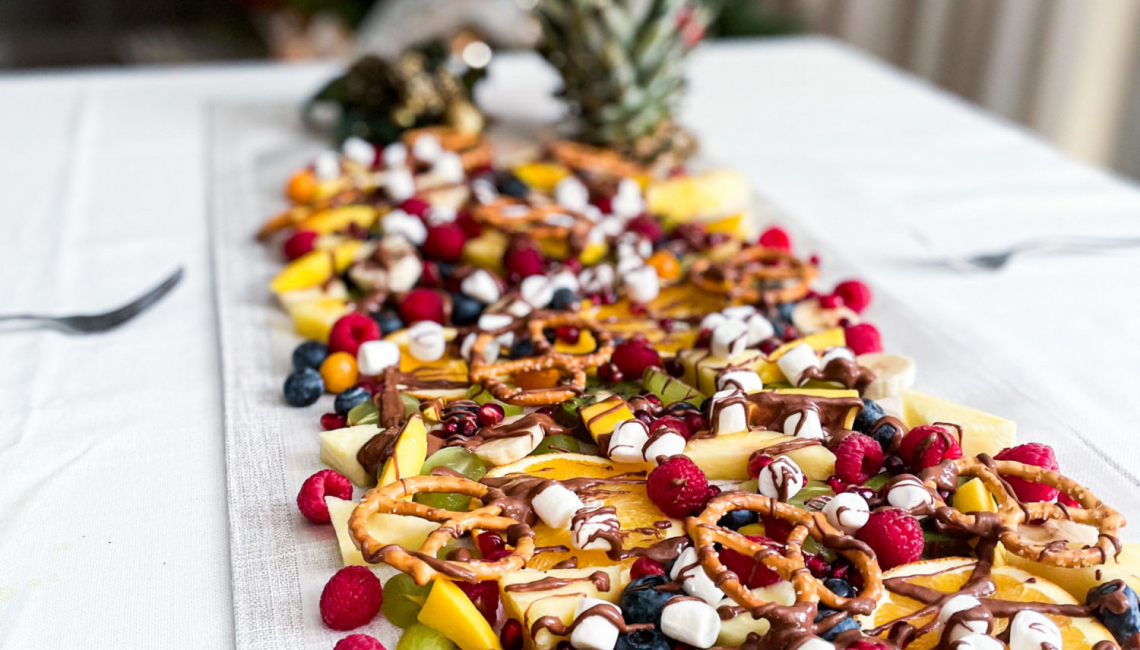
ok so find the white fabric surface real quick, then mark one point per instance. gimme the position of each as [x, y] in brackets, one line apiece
[112, 484]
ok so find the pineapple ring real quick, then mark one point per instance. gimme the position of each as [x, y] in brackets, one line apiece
[572, 366]
[743, 277]
[1011, 512]
[422, 564]
[810, 591]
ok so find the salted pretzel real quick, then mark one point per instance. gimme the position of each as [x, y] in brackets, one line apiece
[422, 564]
[705, 532]
[596, 160]
[1011, 512]
[755, 275]
[521, 216]
[569, 366]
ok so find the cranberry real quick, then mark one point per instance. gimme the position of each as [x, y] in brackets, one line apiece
[769, 345]
[608, 298]
[703, 339]
[609, 373]
[330, 421]
[695, 422]
[790, 333]
[644, 416]
[512, 635]
[490, 414]
[637, 309]
[652, 399]
[568, 333]
[644, 566]
[545, 410]
[814, 259]
[667, 325]
[489, 542]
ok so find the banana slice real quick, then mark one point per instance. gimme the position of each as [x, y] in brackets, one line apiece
[894, 373]
[808, 316]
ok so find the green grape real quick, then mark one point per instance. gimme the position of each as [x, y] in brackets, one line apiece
[422, 637]
[411, 404]
[556, 444]
[456, 459]
[363, 413]
[877, 481]
[813, 489]
[403, 600]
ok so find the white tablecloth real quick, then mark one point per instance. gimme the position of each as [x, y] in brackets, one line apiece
[112, 489]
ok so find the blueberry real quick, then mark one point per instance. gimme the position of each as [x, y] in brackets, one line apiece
[868, 416]
[646, 639]
[845, 624]
[521, 348]
[563, 299]
[641, 602]
[309, 354]
[1124, 625]
[839, 587]
[388, 321]
[304, 387]
[510, 185]
[784, 310]
[446, 269]
[465, 310]
[737, 519]
[350, 398]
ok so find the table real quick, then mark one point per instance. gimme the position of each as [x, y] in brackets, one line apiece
[111, 453]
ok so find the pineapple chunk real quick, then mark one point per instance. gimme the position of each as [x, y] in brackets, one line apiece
[1078, 581]
[487, 250]
[726, 457]
[409, 453]
[518, 603]
[409, 532]
[542, 176]
[450, 612]
[602, 418]
[560, 607]
[314, 320]
[702, 196]
[734, 631]
[982, 433]
[701, 368]
[340, 446]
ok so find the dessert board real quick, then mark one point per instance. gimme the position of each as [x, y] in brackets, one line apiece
[281, 562]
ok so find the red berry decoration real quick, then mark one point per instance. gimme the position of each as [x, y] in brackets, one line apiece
[299, 244]
[867, 644]
[485, 596]
[775, 238]
[830, 302]
[488, 542]
[678, 487]
[350, 331]
[894, 535]
[644, 566]
[512, 635]
[854, 294]
[416, 207]
[445, 242]
[646, 226]
[857, 458]
[351, 598]
[609, 374]
[863, 338]
[673, 424]
[752, 573]
[330, 421]
[633, 356]
[777, 529]
[358, 642]
[421, 304]
[1038, 455]
[523, 264]
[471, 227]
[929, 445]
[758, 461]
[311, 498]
[490, 414]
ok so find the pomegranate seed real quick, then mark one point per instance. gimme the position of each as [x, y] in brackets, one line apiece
[490, 414]
[814, 259]
[695, 422]
[769, 345]
[568, 333]
[512, 635]
[485, 596]
[609, 373]
[489, 542]
[330, 421]
[644, 566]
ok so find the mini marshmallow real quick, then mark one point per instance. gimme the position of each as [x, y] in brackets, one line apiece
[637, 243]
[597, 279]
[403, 272]
[627, 441]
[484, 190]
[738, 312]
[746, 380]
[555, 505]
[781, 479]
[729, 339]
[712, 321]
[448, 167]
[695, 581]
[426, 341]
[395, 155]
[564, 280]
[440, 214]
[908, 493]
[400, 184]
[359, 151]
[374, 357]
[691, 622]
[519, 308]
[804, 424]
[797, 360]
[628, 202]
[490, 351]
[667, 444]
[561, 220]
[586, 525]
[836, 353]
[641, 284]
[427, 148]
[962, 603]
[481, 286]
[816, 643]
[398, 222]
[488, 322]
[326, 166]
[1030, 630]
[759, 329]
[980, 642]
[571, 193]
[610, 226]
[728, 416]
[847, 511]
[629, 263]
[537, 291]
[594, 632]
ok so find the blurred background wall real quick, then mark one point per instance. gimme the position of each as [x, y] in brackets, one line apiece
[1069, 69]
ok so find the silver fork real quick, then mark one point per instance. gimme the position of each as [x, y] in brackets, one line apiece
[91, 323]
[999, 259]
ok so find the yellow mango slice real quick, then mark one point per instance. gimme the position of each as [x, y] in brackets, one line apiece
[337, 219]
[542, 176]
[409, 454]
[309, 270]
[585, 344]
[972, 496]
[602, 418]
[450, 612]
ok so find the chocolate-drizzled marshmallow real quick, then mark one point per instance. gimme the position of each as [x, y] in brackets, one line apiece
[796, 361]
[590, 528]
[594, 632]
[781, 479]
[694, 581]
[555, 505]
[426, 341]
[847, 511]
[1030, 630]
[804, 424]
[728, 412]
[729, 339]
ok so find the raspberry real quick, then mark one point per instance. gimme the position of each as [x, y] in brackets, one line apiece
[678, 487]
[854, 294]
[421, 304]
[775, 237]
[644, 566]
[445, 243]
[647, 226]
[1067, 501]
[358, 642]
[894, 535]
[350, 331]
[311, 498]
[523, 264]
[672, 423]
[1032, 453]
[512, 635]
[633, 356]
[300, 243]
[928, 445]
[863, 338]
[857, 458]
[351, 598]
[753, 574]
[416, 207]
[758, 461]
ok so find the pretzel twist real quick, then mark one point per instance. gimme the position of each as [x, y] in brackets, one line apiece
[531, 218]
[595, 160]
[755, 275]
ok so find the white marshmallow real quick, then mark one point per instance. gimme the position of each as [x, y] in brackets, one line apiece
[738, 312]
[484, 190]
[595, 632]
[759, 328]
[728, 417]
[782, 475]
[746, 380]
[836, 353]
[519, 308]
[980, 642]
[1030, 630]
[641, 284]
[909, 494]
[816, 643]
[637, 243]
[490, 352]
[403, 272]
[359, 151]
[627, 441]
[427, 148]
[326, 166]
[729, 339]
[571, 193]
[564, 280]
[395, 155]
[667, 444]
[695, 581]
[847, 511]
[488, 322]
[628, 202]
[426, 341]
[961, 603]
[537, 291]
[629, 263]
[561, 220]
[691, 622]
[398, 222]
[440, 214]
[374, 357]
[795, 361]
[556, 506]
[583, 529]
[597, 279]
[400, 184]
[481, 286]
[448, 168]
[804, 424]
[712, 321]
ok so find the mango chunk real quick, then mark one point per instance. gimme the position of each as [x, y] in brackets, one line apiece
[309, 270]
[602, 418]
[972, 496]
[450, 612]
[408, 456]
[337, 219]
